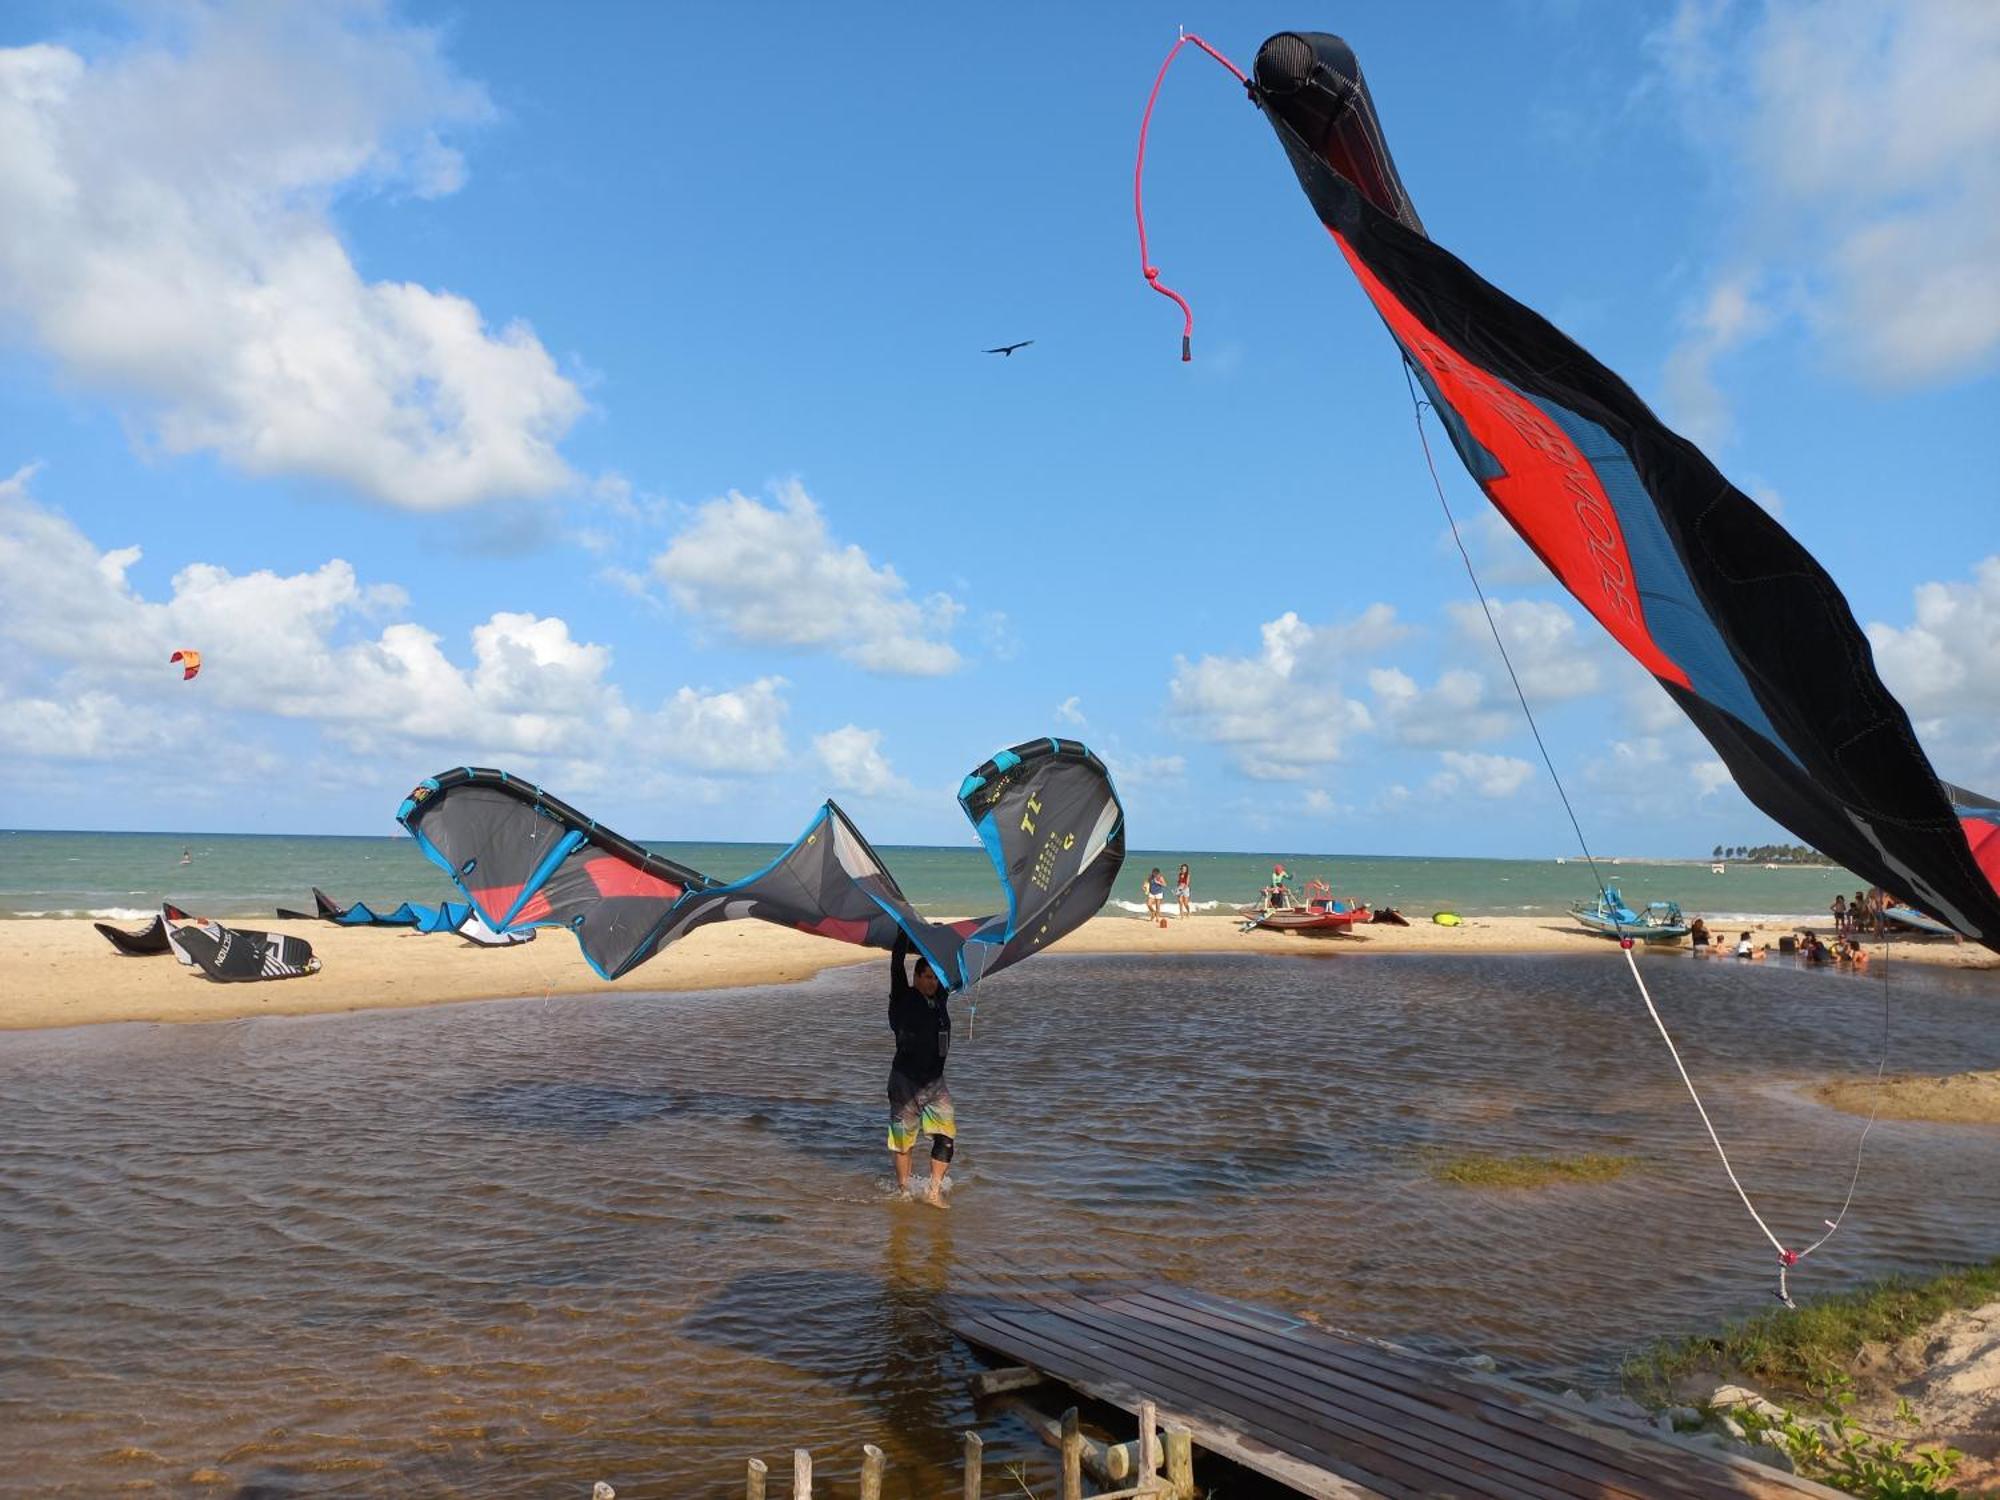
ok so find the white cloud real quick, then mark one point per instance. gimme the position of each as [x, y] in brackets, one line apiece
[1500, 557]
[1068, 711]
[1729, 316]
[1491, 776]
[853, 758]
[1551, 660]
[1284, 710]
[738, 730]
[1710, 777]
[166, 236]
[85, 671]
[1945, 668]
[774, 575]
[1864, 139]
[1452, 711]
[1130, 771]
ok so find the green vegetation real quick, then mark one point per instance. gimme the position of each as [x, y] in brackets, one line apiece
[1810, 1350]
[1835, 1449]
[1773, 854]
[1526, 1171]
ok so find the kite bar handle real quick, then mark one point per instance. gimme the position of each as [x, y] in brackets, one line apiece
[1146, 266]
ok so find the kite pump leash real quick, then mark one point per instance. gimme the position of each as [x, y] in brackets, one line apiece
[1146, 266]
[1787, 1258]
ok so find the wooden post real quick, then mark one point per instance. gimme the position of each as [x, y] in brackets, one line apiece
[753, 1481]
[802, 1474]
[975, 1451]
[1072, 1456]
[1008, 1378]
[871, 1472]
[1149, 1443]
[1180, 1460]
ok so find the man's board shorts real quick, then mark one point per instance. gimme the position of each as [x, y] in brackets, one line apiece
[918, 1110]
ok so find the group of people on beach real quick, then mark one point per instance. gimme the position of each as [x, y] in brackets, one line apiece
[1862, 914]
[1156, 894]
[1845, 949]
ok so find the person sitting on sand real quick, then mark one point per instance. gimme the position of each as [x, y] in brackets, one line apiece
[1181, 892]
[1156, 893]
[1743, 947]
[919, 1102]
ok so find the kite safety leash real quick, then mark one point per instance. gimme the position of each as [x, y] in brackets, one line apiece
[1787, 1257]
[1146, 266]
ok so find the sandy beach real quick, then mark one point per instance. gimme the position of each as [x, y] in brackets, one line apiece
[60, 972]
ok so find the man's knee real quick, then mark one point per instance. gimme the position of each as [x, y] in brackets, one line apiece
[942, 1147]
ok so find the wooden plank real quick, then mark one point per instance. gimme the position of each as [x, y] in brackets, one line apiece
[1518, 1425]
[1517, 1437]
[1241, 1442]
[1099, 1370]
[1468, 1461]
[1370, 1456]
[1389, 1411]
[1531, 1411]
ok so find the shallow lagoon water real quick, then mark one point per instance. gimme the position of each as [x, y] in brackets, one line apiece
[508, 1248]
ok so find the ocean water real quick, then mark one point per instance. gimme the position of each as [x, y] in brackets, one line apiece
[127, 875]
[506, 1249]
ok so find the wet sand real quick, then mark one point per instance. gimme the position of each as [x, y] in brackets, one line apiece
[1960, 1099]
[58, 972]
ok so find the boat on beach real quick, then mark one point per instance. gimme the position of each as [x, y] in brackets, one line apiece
[1319, 915]
[1659, 922]
[1308, 921]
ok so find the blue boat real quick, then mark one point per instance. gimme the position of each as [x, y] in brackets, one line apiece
[1660, 922]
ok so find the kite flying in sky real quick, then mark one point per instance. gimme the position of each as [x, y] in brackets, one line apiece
[188, 661]
[1045, 811]
[1731, 615]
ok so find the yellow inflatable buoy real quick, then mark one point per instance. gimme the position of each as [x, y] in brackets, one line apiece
[1446, 919]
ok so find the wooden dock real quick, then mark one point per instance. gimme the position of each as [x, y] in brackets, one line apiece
[1340, 1417]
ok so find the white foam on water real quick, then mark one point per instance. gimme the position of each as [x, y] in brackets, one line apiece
[102, 913]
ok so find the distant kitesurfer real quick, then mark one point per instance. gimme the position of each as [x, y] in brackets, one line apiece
[919, 1102]
[1008, 349]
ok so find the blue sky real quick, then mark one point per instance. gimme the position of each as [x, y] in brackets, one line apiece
[606, 405]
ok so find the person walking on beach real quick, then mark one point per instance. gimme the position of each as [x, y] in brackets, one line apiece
[919, 1103]
[1156, 894]
[1181, 892]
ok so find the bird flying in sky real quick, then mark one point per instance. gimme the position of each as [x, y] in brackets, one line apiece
[1008, 349]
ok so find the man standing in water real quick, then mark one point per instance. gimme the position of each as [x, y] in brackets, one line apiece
[919, 1102]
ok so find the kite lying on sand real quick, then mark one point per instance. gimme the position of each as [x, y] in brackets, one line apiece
[446, 916]
[232, 954]
[148, 940]
[1045, 810]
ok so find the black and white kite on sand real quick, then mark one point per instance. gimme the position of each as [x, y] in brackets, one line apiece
[1045, 811]
[232, 954]
[148, 940]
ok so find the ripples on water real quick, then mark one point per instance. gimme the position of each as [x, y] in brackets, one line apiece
[505, 1249]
